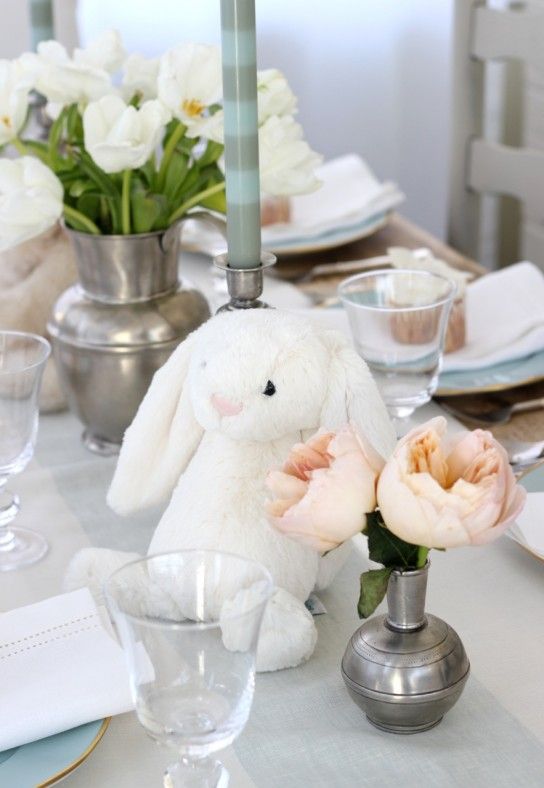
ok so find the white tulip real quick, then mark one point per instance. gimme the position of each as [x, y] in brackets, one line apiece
[274, 96]
[121, 137]
[63, 81]
[287, 163]
[15, 84]
[140, 77]
[189, 82]
[30, 200]
[106, 51]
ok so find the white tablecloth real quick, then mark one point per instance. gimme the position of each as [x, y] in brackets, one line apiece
[303, 720]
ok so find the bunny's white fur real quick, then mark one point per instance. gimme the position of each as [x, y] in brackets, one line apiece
[216, 465]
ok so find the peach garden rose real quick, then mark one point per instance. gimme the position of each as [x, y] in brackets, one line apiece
[325, 489]
[442, 493]
[433, 492]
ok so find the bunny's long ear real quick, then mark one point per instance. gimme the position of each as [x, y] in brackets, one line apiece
[160, 441]
[353, 396]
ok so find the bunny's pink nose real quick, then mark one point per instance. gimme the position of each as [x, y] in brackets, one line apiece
[225, 407]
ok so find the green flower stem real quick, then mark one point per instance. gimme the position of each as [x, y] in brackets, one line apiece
[76, 216]
[20, 146]
[175, 137]
[184, 207]
[125, 202]
[422, 554]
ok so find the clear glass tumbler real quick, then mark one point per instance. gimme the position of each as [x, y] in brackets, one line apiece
[22, 362]
[189, 623]
[398, 321]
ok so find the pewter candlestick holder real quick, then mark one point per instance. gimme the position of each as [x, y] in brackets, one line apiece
[245, 285]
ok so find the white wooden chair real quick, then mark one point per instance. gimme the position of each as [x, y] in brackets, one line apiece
[483, 165]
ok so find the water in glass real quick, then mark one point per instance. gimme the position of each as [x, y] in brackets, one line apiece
[398, 320]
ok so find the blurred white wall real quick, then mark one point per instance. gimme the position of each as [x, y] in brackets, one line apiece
[372, 76]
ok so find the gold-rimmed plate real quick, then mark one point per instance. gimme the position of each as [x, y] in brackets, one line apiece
[46, 762]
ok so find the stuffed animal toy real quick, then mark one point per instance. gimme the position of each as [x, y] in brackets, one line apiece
[223, 411]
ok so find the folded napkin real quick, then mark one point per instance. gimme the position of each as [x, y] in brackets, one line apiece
[505, 318]
[59, 668]
[349, 195]
[529, 526]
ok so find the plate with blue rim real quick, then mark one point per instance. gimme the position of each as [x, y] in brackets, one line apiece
[198, 237]
[48, 761]
[500, 377]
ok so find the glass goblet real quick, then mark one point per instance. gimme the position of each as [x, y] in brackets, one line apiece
[189, 623]
[398, 320]
[22, 362]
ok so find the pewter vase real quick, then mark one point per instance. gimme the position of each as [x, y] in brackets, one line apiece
[405, 669]
[113, 330]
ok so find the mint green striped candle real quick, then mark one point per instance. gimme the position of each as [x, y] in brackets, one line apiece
[41, 22]
[241, 133]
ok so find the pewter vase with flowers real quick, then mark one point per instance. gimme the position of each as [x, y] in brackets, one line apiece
[114, 329]
[407, 668]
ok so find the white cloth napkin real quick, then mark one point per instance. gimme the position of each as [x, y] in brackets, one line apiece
[349, 195]
[59, 668]
[505, 318]
[529, 526]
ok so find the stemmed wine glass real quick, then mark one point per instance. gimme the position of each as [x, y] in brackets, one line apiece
[22, 362]
[398, 320]
[189, 623]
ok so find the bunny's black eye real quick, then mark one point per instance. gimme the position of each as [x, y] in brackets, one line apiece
[270, 389]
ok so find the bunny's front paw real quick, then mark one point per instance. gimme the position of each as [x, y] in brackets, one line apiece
[288, 634]
[91, 566]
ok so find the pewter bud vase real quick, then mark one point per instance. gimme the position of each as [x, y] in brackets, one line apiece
[112, 331]
[405, 669]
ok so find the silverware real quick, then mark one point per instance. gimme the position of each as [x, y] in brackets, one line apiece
[499, 415]
[347, 267]
[522, 452]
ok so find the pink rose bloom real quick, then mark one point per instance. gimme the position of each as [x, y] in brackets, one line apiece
[439, 493]
[325, 489]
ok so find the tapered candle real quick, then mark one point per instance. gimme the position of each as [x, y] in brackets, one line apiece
[241, 133]
[41, 22]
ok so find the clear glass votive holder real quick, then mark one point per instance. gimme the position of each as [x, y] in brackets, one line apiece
[398, 320]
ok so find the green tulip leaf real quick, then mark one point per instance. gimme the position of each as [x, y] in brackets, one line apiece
[149, 211]
[89, 204]
[373, 589]
[212, 153]
[216, 202]
[79, 186]
[176, 173]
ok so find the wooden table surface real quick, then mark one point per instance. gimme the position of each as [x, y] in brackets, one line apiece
[399, 231]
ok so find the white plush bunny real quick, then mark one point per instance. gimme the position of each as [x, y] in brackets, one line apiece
[225, 409]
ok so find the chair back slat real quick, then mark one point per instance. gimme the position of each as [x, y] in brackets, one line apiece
[508, 35]
[501, 169]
